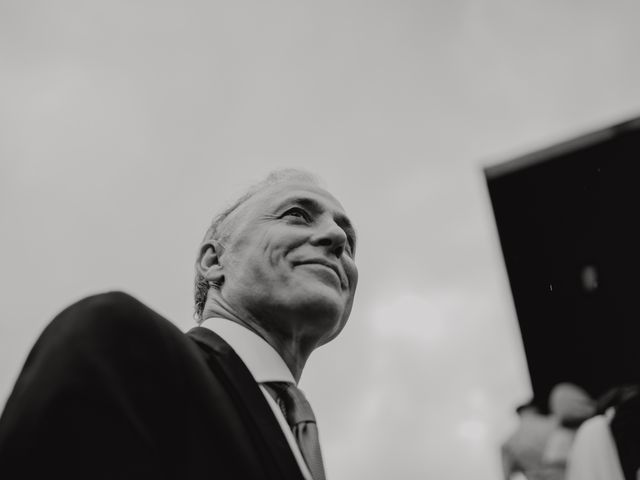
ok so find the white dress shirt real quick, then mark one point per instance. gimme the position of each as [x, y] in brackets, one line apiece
[265, 365]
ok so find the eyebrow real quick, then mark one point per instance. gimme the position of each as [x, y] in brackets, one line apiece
[315, 206]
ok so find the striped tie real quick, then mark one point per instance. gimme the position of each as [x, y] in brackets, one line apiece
[302, 421]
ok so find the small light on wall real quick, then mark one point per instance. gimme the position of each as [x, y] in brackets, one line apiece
[589, 277]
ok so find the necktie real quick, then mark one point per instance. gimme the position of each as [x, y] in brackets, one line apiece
[302, 421]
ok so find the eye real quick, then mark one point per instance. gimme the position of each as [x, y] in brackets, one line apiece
[297, 212]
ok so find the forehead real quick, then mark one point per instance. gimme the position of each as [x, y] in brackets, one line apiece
[284, 192]
[269, 199]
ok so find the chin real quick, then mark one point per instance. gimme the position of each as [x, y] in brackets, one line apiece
[325, 310]
[329, 318]
[331, 334]
[319, 310]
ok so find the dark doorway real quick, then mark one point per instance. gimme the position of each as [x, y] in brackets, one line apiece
[568, 219]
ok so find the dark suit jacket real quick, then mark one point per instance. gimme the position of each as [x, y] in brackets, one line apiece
[112, 390]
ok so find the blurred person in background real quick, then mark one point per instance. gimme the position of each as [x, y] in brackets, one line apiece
[571, 405]
[113, 390]
[540, 445]
[522, 451]
[607, 446]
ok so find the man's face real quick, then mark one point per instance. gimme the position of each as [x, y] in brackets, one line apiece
[289, 260]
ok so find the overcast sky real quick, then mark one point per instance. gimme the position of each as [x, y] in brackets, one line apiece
[125, 126]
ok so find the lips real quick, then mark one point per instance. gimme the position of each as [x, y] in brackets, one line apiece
[328, 264]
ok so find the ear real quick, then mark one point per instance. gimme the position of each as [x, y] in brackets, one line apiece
[208, 264]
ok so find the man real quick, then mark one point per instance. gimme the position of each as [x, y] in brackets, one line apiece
[113, 390]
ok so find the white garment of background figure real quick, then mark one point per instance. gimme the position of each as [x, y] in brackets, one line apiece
[594, 455]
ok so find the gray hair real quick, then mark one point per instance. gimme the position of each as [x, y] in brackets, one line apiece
[201, 284]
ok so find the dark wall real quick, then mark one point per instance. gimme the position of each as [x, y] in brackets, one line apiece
[568, 221]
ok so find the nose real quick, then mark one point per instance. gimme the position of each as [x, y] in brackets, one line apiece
[330, 236]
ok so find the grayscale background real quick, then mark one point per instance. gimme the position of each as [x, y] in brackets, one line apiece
[126, 125]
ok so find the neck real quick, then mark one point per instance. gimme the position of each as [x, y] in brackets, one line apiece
[293, 347]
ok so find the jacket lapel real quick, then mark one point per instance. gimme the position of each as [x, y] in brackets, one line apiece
[261, 422]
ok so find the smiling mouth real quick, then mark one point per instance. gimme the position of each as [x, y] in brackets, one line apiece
[326, 268]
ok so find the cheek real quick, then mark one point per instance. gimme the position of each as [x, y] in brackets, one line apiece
[280, 246]
[352, 274]
[274, 252]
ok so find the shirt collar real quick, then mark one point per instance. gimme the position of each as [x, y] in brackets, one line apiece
[260, 358]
